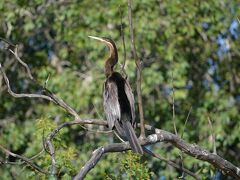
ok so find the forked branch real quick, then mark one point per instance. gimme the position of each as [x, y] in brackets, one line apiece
[26, 160]
[163, 136]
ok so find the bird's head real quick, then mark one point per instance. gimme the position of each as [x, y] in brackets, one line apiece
[113, 59]
[109, 42]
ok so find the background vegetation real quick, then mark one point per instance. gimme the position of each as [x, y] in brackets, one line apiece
[191, 45]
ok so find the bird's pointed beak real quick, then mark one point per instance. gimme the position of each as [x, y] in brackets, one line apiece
[97, 38]
[102, 40]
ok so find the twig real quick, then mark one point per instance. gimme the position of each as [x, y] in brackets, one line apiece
[78, 121]
[171, 163]
[123, 42]
[116, 134]
[185, 123]
[45, 83]
[138, 66]
[15, 53]
[173, 107]
[37, 155]
[22, 95]
[96, 111]
[174, 123]
[8, 42]
[56, 130]
[213, 136]
[182, 155]
[61, 103]
[51, 96]
[28, 161]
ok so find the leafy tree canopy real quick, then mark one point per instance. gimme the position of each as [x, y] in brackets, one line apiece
[189, 47]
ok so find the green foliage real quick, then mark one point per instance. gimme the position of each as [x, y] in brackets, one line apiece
[132, 167]
[177, 42]
[66, 161]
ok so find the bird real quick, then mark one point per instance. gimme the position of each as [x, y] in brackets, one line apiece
[118, 99]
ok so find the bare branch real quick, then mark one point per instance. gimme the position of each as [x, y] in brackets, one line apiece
[28, 161]
[50, 96]
[56, 130]
[96, 156]
[138, 65]
[160, 136]
[213, 136]
[185, 123]
[61, 103]
[171, 163]
[181, 154]
[123, 42]
[15, 53]
[78, 121]
[7, 42]
[22, 95]
[37, 155]
[173, 107]
[174, 120]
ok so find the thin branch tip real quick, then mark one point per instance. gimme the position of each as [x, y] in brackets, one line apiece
[138, 68]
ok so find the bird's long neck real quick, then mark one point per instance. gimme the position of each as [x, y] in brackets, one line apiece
[112, 60]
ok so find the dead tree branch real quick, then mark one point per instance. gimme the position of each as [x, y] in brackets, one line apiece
[61, 103]
[158, 136]
[82, 121]
[56, 130]
[28, 161]
[15, 53]
[50, 96]
[22, 95]
[163, 136]
[139, 69]
[213, 136]
[171, 163]
[123, 43]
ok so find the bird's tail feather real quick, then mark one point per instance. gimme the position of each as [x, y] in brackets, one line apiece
[131, 137]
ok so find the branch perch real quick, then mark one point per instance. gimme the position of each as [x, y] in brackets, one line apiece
[160, 136]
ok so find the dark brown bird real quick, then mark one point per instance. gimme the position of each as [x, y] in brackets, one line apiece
[118, 99]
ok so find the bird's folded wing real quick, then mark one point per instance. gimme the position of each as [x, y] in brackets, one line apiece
[110, 103]
[128, 91]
